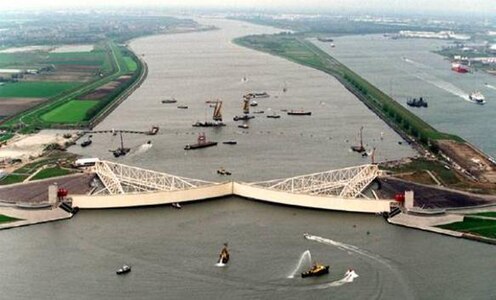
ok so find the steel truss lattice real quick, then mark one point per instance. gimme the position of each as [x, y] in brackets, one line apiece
[346, 183]
[122, 179]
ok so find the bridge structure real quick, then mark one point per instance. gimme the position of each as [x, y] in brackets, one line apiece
[345, 183]
[126, 186]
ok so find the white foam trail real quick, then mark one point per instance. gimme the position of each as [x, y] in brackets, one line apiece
[415, 63]
[490, 86]
[143, 148]
[306, 258]
[444, 85]
[345, 247]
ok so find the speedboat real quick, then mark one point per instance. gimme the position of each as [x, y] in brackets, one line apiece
[224, 255]
[123, 270]
[316, 270]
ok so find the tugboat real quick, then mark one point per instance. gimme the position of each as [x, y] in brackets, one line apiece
[420, 102]
[360, 148]
[316, 270]
[202, 143]
[123, 270]
[224, 255]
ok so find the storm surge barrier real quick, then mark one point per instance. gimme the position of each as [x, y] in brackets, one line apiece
[124, 186]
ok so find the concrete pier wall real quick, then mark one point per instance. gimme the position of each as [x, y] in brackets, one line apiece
[152, 198]
[320, 202]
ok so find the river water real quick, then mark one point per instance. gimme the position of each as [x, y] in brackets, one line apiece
[173, 252]
[406, 68]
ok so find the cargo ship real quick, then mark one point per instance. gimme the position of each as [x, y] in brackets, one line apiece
[201, 143]
[459, 68]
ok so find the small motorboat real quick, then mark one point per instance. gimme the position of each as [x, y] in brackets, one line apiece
[316, 270]
[86, 143]
[123, 270]
[182, 106]
[258, 112]
[176, 205]
[230, 142]
[274, 116]
[222, 171]
[244, 126]
[254, 103]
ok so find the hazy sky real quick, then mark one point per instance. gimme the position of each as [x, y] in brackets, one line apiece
[415, 6]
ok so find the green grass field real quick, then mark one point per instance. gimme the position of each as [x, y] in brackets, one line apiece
[482, 227]
[295, 48]
[50, 172]
[491, 214]
[4, 219]
[130, 63]
[70, 112]
[13, 178]
[114, 61]
[34, 89]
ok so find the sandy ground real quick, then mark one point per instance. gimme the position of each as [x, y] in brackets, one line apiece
[23, 147]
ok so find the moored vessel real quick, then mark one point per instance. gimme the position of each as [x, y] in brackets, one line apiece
[300, 112]
[202, 143]
[169, 101]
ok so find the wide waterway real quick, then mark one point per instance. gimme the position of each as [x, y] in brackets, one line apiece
[197, 67]
[173, 252]
[405, 68]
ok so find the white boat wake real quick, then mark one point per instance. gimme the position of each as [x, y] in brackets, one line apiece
[490, 86]
[305, 260]
[143, 148]
[346, 247]
[439, 83]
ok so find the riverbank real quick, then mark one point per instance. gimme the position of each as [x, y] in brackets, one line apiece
[423, 137]
[26, 217]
